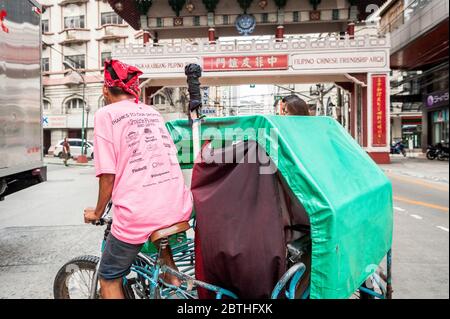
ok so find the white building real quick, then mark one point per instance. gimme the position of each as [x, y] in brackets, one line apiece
[82, 33]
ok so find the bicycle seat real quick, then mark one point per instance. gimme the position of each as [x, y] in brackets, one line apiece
[169, 231]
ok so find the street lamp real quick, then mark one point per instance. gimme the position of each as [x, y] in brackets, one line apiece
[82, 158]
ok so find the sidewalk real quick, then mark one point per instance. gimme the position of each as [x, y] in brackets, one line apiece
[58, 161]
[418, 167]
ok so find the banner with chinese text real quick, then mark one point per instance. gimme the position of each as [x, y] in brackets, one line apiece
[246, 63]
[379, 127]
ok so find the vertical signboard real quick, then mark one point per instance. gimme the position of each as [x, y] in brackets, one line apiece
[379, 125]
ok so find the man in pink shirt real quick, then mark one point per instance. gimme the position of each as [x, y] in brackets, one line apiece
[135, 160]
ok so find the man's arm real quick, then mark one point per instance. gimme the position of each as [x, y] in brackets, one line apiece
[106, 184]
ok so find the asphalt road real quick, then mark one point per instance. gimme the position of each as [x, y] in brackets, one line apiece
[421, 238]
[41, 228]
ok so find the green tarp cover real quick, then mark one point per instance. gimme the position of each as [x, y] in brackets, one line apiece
[346, 195]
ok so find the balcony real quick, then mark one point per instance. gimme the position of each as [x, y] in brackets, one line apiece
[67, 2]
[112, 32]
[75, 36]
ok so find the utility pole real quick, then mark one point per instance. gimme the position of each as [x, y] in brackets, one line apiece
[82, 158]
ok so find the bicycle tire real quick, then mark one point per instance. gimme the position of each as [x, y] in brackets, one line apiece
[60, 289]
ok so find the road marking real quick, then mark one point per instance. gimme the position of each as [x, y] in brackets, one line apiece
[415, 181]
[414, 202]
[400, 209]
[443, 228]
[416, 216]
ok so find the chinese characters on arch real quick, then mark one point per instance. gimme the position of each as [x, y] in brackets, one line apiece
[243, 63]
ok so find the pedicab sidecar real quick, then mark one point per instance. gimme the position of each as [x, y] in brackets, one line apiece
[266, 185]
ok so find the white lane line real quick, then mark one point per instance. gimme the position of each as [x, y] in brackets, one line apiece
[400, 209]
[417, 217]
[443, 228]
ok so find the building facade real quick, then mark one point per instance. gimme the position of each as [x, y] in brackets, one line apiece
[419, 34]
[288, 47]
[82, 34]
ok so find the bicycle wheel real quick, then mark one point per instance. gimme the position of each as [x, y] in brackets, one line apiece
[73, 280]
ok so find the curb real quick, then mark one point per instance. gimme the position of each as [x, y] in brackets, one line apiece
[424, 177]
[74, 164]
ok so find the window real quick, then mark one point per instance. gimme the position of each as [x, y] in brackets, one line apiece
[75, 143]
[265, 18]
[102, 102]
[159, 22]
[46, 105]
[335, 14]
[106, 56]
[160, 100]
[196, 21]
[296, 16]
[74, 22]
[45, 64]
[226, 19]
[74, 104]
[111, 18]
[78, 61]
[45, 26]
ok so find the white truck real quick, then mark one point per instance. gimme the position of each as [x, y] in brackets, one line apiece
[21, 154]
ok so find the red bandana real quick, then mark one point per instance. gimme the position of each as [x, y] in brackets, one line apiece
[123, 71]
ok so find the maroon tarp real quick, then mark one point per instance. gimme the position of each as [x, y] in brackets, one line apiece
[240, 227]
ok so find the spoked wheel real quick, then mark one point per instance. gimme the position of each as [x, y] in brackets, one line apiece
[74, 279]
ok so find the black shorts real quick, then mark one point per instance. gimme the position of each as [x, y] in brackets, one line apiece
[117, 258]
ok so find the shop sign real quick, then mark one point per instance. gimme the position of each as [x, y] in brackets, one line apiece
[437, 99]
[379, 133]
[54, 121]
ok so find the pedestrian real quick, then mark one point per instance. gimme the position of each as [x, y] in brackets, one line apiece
[293, 105]
[135, 160]
[66, 151]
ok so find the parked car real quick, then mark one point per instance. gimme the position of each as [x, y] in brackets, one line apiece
[75, 148]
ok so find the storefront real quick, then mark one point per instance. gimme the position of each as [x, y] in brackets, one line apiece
[436, 115]
[412, 130]
[439, 126]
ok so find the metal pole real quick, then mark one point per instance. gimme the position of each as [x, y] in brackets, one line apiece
[86, 128]
[389, 289]
[82, 117]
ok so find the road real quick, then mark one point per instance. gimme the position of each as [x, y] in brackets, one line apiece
[421, 238]
[41, 228]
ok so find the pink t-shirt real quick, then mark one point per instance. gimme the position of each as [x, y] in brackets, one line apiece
[132, 142]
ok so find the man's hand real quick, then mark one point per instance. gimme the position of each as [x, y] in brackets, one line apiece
[90, 215]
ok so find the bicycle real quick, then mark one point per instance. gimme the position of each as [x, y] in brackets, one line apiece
[78, 278]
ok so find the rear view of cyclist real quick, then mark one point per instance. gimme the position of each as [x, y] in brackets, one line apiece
[135, 160]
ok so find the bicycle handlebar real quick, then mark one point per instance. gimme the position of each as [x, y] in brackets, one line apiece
[105, 219]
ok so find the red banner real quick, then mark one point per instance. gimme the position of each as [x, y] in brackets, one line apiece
[246, 63]
[379, 131]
